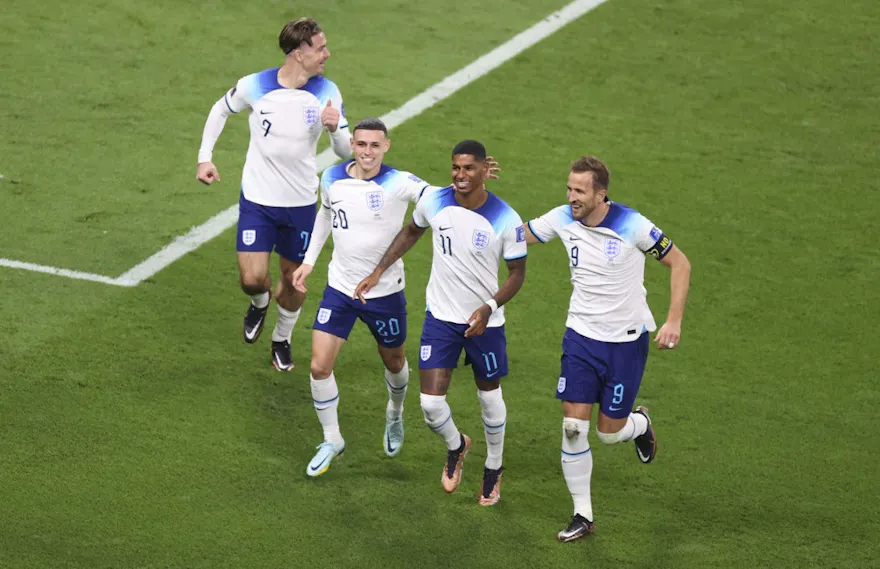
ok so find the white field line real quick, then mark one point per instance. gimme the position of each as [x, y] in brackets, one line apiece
[60, 272]
[434, 94]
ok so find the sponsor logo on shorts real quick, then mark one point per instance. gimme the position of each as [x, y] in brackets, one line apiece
[324, 315]
[425, 353]
[560, 387]
[249, 236]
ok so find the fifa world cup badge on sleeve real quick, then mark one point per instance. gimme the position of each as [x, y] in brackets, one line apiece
[520, 234]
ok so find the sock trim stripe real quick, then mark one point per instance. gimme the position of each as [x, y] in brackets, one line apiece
[316, 402]
[394, 388]
[577, 453]
[440, 426]
[488, 426]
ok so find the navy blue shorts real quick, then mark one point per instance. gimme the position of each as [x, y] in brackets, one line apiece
[608, 373]
[287, 230]
[442, 343]
[385, 316]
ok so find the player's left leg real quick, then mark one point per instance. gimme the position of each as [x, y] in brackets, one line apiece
[617, 423]
[487, 356]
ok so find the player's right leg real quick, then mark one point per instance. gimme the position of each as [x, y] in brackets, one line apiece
[254, 242]
[386, 318]
[332, 326]
[579, 387]
[441, 345]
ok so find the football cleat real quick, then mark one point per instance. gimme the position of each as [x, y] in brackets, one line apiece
[578, 528]
[646, 444]
[326, 453]
[454, 462]
[281, 359]
[253, 322]
[491, 491]
[393, 437]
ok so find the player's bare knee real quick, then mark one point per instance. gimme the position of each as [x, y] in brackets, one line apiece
[321, 370]
[394, 362]
[610, 438]
[253, 283]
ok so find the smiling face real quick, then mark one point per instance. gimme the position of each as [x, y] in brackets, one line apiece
[369, 148]
[583, 197]
[312, 57]
[468, 173]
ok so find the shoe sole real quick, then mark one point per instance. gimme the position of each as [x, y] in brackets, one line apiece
[443, 479]
[280, 368]
[644, 411]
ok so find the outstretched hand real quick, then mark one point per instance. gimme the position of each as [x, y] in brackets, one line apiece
[493, 167]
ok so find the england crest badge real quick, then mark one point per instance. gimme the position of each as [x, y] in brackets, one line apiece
[311, 115]
[249, 236]
[375, 200]
[612, 247]
[425, 353]
[324, 315]
[480, 239]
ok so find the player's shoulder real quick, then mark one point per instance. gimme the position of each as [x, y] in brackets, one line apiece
[560, 215]
[335, 173]
[624, 220]
[256, 85]
[321, 87]
[499, 214]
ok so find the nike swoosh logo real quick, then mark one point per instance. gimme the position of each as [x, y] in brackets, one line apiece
[336, 202]
[254, 331]
[615, 408]
[445, 228]
[389, 341]
[301, 255]
[493, 374]
[267, 112]
[388, 444]
[575, 238]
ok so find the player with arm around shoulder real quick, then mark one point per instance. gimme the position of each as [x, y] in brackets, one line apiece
[605, 346]
[473, 230]
[287, 109]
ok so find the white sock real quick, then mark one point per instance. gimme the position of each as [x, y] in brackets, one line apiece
[636, 425]
[284, 325]
[396, 383]
[577, 464]
[494, 419]
[325, 396]
[438, 416]
[260, 300]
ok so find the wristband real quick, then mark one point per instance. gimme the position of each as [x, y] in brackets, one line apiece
[493, 305]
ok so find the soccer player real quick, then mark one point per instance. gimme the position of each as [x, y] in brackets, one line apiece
[287, 109]
[605, 346]
[473, 230]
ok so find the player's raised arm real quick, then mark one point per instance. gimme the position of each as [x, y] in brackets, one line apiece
[333, 119]
[402, 243]
[231, 103]
[679, 282]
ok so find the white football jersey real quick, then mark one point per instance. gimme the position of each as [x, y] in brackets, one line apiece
[281, 166]
[367, 215]
[608, 300]
[468, 247]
